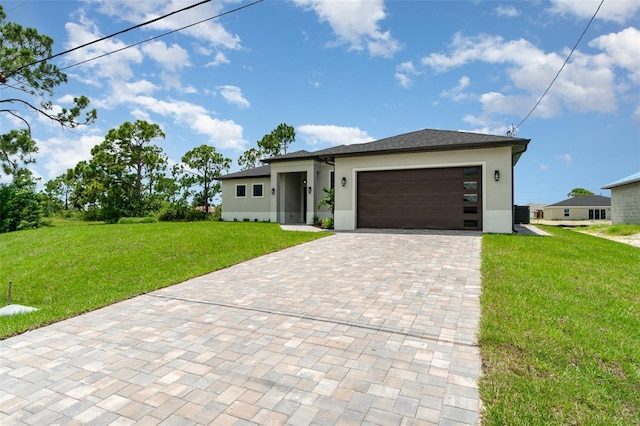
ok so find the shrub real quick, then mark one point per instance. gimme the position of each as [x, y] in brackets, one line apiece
[327, 223]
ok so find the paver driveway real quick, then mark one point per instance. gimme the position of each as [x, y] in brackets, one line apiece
[363, 327]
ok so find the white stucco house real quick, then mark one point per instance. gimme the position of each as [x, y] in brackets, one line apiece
[625, 200]
[427, 179]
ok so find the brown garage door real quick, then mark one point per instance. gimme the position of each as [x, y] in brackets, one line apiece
[448, 198]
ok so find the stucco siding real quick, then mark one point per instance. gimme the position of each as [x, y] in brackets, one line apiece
[625, 204]
[574, 213]
[250, 206]
[497, 198]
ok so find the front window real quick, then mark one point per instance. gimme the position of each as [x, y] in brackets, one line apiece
[241, 191]
[566, 212]
[257, 190]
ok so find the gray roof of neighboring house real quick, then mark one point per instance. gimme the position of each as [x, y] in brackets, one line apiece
[251, 173]
[421, 140]
[624, 181]
[584, 201]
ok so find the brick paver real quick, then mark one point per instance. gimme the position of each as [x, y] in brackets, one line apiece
[362, 327]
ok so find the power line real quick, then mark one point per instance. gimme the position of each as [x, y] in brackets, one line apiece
[162, 35]
[8, 74]
[513, 129]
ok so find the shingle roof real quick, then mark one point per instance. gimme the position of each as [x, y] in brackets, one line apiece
[584, 201]
[424, 140]
[255, 172]
[624, 181]
[421, 140]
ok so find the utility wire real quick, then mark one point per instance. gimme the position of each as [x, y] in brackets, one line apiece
[8, 74]
[515, 128]
[162, 35]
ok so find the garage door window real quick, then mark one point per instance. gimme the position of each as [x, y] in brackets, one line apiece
[470, 210]
[470, 185]
[470, 171]
[470, 198]
[470, 223]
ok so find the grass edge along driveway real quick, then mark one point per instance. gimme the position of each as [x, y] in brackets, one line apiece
[560, 330]
[67, 270]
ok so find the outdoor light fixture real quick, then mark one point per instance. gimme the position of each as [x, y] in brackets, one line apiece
[496, 175]
[273, 191]
[343, 181]
[3, 78]
[309, 190]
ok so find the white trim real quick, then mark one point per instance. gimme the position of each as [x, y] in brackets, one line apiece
[253, 185]
[236, 190]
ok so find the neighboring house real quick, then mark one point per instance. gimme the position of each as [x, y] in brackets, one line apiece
[536, 211]
[428, 179]
[582, 207]
[625, 200]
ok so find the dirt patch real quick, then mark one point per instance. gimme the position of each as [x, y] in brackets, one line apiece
[632, 240]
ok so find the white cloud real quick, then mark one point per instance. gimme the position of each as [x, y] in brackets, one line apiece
[211, 31]
[544, 167]
[506, 11]
[619, 11]
[456, 93]
[218, 60]
[621, 50]
[171, 58]
[565, 158]
[636, 115]
[222, 133]
[404, 73]
[356, 23]
[62, 153]
[315, 134]
[116, 65]
[233, 95]
[589, 82]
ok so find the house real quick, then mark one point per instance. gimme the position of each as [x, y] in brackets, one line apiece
[582, 207]
[625, 200]
[427, 179]
[536, 211]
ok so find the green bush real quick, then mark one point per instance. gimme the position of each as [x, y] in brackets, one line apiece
[327, 223]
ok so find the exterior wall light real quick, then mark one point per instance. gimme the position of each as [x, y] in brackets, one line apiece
[273, 191]
[309, 190]
[343, 181]
[496, 175]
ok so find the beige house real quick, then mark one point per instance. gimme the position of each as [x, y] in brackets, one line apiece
[428, 179]
[625, 200]
[583, 207]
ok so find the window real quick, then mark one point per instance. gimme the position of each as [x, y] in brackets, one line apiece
[470, 198]
[470, 171]
[566, 212]
[470, 210]
[603, 214]
[470, 223]
[257, 190]
[471, 185]
[333, 179]
[241, 191]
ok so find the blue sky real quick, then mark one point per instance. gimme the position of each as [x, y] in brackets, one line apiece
[345, 72]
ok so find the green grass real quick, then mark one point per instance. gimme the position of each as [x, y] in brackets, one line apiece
[621, 230]
[560, 330]
[66, 270]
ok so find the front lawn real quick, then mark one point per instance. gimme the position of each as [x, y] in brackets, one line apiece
[66, 270]
[560, 330]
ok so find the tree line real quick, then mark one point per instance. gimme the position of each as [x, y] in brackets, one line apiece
[127, 174]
